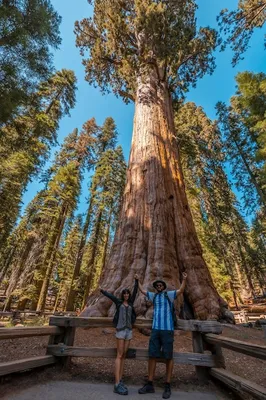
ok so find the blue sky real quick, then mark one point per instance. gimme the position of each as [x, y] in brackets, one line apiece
[91, 103]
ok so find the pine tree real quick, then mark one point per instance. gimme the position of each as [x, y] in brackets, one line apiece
[25, 242]
[214, 207]
[51, 211]
[28, 31]
[106, 137]
[25, 143]
[63, 190]
[67, 262]
[109, 182]
[242, 124]
[258, 245]
[240, 24]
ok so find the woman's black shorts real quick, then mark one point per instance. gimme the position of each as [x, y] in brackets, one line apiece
[161, 344]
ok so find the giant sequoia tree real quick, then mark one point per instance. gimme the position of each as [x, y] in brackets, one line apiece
[151, 52]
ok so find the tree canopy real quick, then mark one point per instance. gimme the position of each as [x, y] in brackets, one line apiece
[29, 29]
[123, 39]
[239, 25]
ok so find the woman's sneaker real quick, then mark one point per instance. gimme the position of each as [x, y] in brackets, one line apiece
[122, 383]
[148, 388]
[120, 389]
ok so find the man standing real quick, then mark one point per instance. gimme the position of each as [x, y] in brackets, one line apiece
[162, 334]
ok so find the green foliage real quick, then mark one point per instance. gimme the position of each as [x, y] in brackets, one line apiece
[26, 141]
[221, 229]
[28, 31]
[239, 25]
[47, 241]
[103, 143]
[250, 104]
[106, 195]
[258, 245]
[244, 137]
[107, 137]
[124, 40]
[65, 264]
[43, 225]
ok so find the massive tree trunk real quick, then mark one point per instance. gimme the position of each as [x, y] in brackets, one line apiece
[156, 237]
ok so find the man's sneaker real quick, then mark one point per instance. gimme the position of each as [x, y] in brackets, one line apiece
[148, 388]
[167, 391]
[119, 389]
[122, 384]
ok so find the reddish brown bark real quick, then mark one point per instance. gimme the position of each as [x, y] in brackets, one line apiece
[156, 237]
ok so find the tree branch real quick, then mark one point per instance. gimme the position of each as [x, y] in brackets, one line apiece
[187, 59]
[258, 13]
[125, 94]
[111, 60]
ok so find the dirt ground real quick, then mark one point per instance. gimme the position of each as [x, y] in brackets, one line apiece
[101, 370]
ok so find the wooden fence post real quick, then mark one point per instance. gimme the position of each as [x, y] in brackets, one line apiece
[67, 337]
[217, 352]
[56, 339]
[263, 327]
[68, 340]
[198, 347]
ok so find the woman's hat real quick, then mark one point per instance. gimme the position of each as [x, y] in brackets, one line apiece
[159, 281]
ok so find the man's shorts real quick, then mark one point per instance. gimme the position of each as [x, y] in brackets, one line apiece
[125, 334]
[161, 344]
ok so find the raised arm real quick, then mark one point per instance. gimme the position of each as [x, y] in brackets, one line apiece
[110, 296]
[135, 290]
[140, 285]
[183, 285]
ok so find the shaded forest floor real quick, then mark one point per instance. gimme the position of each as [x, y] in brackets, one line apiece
[101, 370]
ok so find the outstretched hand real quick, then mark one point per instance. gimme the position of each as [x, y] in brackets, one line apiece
[136, 277]
[184, 275]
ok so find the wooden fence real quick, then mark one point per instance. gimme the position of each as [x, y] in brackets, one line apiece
[206, 356]
[244, 316]
[241, 316]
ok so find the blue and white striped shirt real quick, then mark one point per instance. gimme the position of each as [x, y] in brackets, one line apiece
[162, 313]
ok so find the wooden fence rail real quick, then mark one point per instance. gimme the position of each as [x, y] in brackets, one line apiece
[96, 322]
[196, 359]
[205, 337]
[22, 332]
[26, 364]
[238, 384]
[249, 349]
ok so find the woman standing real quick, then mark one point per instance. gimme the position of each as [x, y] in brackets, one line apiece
[124, 319]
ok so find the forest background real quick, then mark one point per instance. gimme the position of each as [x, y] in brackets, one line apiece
[51, 216]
